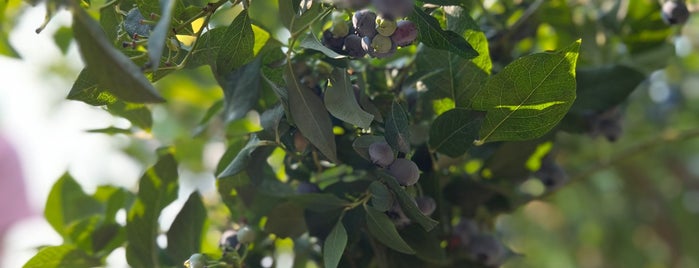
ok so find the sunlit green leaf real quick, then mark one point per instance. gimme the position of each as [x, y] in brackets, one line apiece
[236, 45]
[67, 203]
[529, 97]
[64, 256]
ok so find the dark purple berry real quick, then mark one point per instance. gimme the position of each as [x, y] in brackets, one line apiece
[487, 250]
[353, 46]
[551, 174]
[465, 229]
[307, 188]
[381, 154]
[394, 9]
[331, 42]
[405, 171]
[675, 12]
[364, 22]
[229, 241]
[405, 33]
[396, 214]
[607, 123]
[426, 204]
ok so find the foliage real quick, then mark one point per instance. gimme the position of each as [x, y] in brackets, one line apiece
[477, 103]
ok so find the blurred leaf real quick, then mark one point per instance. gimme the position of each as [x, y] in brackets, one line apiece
[312, 42]
[529, 97]
[382, 228]
[431, 34]
[159, 35]
[85, 89]
[205, 50]
[342, 103]
[112, 69]
[111, 131]
[187, 230]
[133, 24]
[62, 37]
[381, 198]
[64, 256]
[453, 132]
[286, 220]
[108, 237]
[407, 203]
[235, 46]
[334, 245]
[241, 89]
[79, 233]
[398, 128]
[596, 93]
[444, 2]
[310, 116]
[318, 202]
[157, 188]
[67, 203]
[214, 110]
[298, 23]
[240, 161]
[6, 48]
[426, 244]
[114, 198]
[361, 144]
[148, 6]
[138, 114]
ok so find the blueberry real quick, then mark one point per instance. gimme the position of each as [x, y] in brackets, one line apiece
[487, 250]
[331, 42]
[307, 188]
[364, 22]
[675, 12]
[229, 241]
[353, 46]
[381, 154]
[551, 174]
[426, 204]
[405, 33]
[405, 171]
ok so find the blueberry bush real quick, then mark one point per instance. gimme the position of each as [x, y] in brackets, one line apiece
[359, 133]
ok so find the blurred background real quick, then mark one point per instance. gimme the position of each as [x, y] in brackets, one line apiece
[633, 203]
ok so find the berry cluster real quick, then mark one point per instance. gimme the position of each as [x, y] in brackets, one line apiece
[405, 171]
[481, 247]
[376, 35]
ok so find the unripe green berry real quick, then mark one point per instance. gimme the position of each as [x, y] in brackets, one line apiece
[246, 235]
[339, 29]
[381, 44]
[385, 26]
[196, 261]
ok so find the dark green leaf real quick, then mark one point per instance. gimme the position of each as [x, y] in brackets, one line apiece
[240, 161]
[205, 50]
[85, 89]
[382, 228]
[241, 89]
[157, 188]
[319, 202]
[381, 198]
[111, 130]
[334, 245]
[426, 244]
[187, 230]
[342, 103]
[310, 116]
[286, 220]
[298, 23]
[312, 42]
[62, 38]
[65, 256]
[596, 92]
[407, 203]
[79, 233]
[444, 2]
[236, 45]
[67, 203]
[432, 35]
[453, 132]
[361, 144]
[159, 35]
[398, 128]
[529, 97]
[112, 69]
[108, 237]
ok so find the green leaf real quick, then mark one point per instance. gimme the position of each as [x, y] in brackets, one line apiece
[286, 220]
[453, 132]
[64, 256]
[310, 116]
[426, 244]
[67, 203]
[342, 103]
[79, 233]
[407, 203]
[236, 45]
[334, 245]
[381, 198]
[138, 114]
[158, 37]
[361, 144]
[240, 161]
[157, 188]
[319, 202]
[382, 228]
[187, 230]
[62, 37]
[312, 42]
[205, 50]
[112, 69]
[398, 128]
[241, 90]
[456, 78]
[110, 130]
[596, 93]
[432, 35]
[6, 48]
[529, 97]
[85, 89]
[298, 23]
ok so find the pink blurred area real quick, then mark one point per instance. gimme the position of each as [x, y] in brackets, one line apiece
[14, 204]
